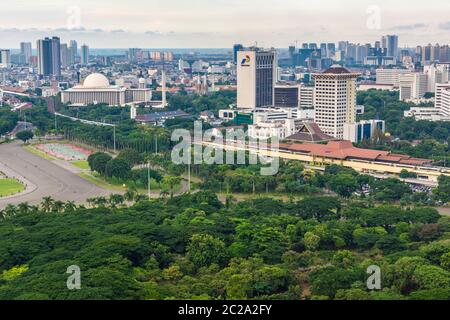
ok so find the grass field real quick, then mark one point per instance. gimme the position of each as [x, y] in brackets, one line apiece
[101, 183]
[82, 164]
[9, 187]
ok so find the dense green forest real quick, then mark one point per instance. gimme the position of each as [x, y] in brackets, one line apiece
[8, 120]
[194, 247]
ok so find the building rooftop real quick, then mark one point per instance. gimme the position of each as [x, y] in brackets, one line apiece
[158, 116]
[344, 150]
[310, 132]
[337, 69]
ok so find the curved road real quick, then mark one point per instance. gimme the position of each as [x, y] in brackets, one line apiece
[43, 178]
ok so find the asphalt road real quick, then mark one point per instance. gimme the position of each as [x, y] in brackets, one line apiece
[43, 178]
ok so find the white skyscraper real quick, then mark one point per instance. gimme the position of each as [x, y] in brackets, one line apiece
[256, 76]
[335, 100]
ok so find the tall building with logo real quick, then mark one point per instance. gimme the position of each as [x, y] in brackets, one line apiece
[335, 100]
[256, 76]
[49, 56]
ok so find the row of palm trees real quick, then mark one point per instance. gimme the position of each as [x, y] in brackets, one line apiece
[50, 205]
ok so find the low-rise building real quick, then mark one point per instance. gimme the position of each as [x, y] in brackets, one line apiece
[363, 130]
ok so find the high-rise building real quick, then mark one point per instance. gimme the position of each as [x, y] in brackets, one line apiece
[26, 51]
[65, 55]
[287, 95]
[236, 48]
[73, 47]
[49, 56]
[5, 59]
[84, 54]
[335, 99]
[256, 76]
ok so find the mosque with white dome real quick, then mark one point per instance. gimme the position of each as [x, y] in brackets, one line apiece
[96, 89]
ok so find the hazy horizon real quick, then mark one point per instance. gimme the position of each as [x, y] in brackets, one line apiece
[219, 24]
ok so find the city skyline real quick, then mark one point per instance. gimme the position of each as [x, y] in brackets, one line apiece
[203, 24]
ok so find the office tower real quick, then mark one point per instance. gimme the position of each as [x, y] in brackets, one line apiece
[392, 45]
[335, 100]
[256, 74]
[26, 51]
[384, 42]
[73, 47]
[236, 49]
[65, 55]
[84, 55]
[5, 59]
[49, 56]
[287, 95]
[331, 48]
[323, 50]
[413, 85]
[135, 54]
[342, 45]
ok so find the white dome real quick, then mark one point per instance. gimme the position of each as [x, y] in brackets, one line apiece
[142, 80]
[96, 80]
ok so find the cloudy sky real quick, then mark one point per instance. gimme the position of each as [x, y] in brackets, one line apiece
[220, 23]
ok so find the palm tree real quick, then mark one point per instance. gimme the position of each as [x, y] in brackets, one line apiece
[100, 202]
[130, 195]
[90, 201]
[47, 204]
[115, 200]
[9, 211]
[141, 197]
[164, 193]
[23, 207]
[58, 206]
[70, 206]
[172, 181]
[229, 201]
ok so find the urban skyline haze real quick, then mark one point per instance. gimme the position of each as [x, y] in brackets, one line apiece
[219, 23]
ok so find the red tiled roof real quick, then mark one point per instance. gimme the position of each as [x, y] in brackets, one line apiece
[345, 150]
